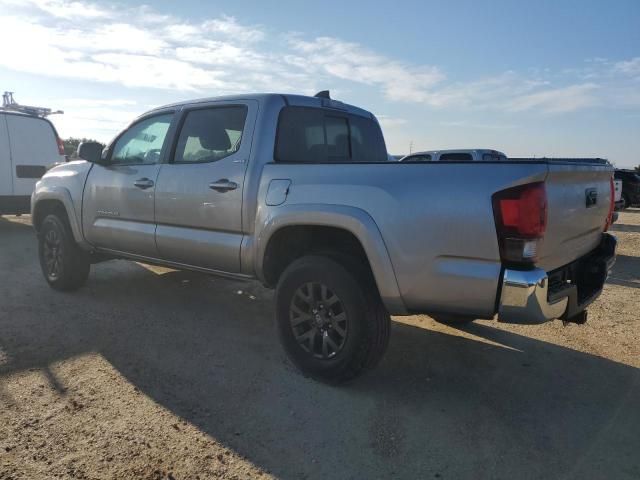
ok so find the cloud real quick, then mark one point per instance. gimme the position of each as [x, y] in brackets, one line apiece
[468, 125]
[64, 9]
[352, 62]
[390, 122]
[134, 47]
[139, 47]
[630, 67]
[558, 100]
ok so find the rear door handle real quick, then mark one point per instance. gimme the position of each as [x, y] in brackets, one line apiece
[223, 185]
[143, 183]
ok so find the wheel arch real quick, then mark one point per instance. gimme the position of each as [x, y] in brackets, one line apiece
[349, 228]
[55, 200]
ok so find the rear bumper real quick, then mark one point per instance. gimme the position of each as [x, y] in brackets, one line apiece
[535, 296]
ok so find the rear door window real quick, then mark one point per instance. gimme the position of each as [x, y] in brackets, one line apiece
[316, 135]
[210, 134]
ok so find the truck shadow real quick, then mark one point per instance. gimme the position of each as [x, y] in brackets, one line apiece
[621, 227]
[625, 271]
[497, 404]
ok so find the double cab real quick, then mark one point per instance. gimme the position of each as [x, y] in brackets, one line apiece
[298, 192]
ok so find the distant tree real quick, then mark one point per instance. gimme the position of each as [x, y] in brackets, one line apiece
[71, 145]
[638, 168]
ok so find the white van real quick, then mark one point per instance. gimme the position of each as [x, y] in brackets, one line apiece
[29, 145]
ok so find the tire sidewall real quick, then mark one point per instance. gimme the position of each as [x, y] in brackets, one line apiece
[345, 286]
[75, 267]
[51, 222]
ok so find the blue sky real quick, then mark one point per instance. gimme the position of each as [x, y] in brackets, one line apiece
[554, 78]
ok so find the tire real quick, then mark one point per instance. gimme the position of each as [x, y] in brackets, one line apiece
[64, 265]
[349, 312]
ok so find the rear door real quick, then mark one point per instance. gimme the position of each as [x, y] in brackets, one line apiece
[118, 201]
[579, 197]
[198, 199]
[34, 147]
[6, 183]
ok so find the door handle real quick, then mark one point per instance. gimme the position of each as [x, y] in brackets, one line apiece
[223, 185]
[143, 183]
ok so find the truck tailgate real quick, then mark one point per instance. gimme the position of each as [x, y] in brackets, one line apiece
[579, 198]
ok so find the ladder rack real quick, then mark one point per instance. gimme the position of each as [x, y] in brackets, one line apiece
[10, 105]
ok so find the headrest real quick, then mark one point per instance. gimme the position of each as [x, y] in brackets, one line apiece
[213, 137]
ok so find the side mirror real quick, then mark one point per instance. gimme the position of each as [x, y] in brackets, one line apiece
[90, 151]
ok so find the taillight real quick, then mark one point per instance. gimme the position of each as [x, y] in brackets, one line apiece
[521, 221]
[612, 204]
[60, 146]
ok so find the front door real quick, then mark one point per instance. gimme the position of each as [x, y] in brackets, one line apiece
[199, 191]
[118, 206]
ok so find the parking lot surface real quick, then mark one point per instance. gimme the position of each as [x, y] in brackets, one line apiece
[153, 373]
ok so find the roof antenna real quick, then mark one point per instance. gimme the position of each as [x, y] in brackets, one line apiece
[323, 94]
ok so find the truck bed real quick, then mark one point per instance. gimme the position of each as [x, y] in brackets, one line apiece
[437, 222]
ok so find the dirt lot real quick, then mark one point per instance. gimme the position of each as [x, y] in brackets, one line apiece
[152, 373]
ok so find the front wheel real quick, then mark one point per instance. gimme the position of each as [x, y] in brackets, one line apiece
[331, 321]
[65, 265]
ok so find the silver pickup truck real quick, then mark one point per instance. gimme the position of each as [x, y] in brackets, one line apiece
[297, 192]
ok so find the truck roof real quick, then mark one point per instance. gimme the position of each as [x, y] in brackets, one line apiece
[289, 99]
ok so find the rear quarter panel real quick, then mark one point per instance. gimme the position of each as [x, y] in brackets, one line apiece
[436, 221]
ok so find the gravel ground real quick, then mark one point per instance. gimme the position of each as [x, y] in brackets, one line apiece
[155, 374]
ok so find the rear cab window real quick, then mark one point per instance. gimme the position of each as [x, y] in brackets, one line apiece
[319, 135]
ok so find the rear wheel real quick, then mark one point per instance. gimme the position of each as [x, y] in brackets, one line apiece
[65, 265]
[331, 321]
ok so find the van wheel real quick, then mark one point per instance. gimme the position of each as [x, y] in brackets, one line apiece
[332, 323]
[65, 265]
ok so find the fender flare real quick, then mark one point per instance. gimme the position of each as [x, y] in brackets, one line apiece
[62, 195]
[352, 219]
